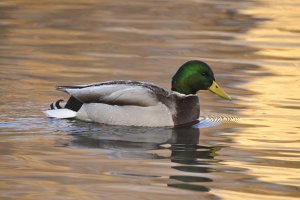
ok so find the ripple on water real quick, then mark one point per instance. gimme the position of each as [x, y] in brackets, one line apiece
[210, 121]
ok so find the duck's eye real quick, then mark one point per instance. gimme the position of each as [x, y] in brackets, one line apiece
[205, 74]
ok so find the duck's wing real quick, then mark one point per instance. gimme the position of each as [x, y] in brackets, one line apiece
[117, 93]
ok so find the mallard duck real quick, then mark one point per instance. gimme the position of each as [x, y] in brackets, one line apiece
[134, 103]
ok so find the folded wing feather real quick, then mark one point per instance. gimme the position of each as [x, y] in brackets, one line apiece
[114, 94]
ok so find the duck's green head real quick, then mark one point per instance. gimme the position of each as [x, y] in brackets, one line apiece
[196, 75]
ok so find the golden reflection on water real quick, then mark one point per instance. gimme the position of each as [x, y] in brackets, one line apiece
[273, 110]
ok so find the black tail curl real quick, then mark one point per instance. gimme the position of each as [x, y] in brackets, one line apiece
[72, 104]
[56, 105]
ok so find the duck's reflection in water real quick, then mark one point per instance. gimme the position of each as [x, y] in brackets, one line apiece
[194, 159]
[136, 142]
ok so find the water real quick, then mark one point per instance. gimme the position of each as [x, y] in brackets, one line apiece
[247, 148]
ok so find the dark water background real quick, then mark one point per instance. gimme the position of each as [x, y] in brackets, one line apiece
[247, 148]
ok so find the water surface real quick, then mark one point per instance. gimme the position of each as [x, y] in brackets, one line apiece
[247, 148]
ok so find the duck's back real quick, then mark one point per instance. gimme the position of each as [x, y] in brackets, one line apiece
[117, 93]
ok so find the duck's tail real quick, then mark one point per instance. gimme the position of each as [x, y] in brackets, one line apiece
[59, 104]
[62, 110]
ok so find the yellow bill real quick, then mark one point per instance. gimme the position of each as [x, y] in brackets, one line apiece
[218, 91]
